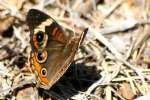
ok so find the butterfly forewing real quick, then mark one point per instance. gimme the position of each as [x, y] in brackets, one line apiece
[50, 41]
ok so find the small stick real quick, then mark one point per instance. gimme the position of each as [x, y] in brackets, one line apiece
[129, 24]
[113, 8]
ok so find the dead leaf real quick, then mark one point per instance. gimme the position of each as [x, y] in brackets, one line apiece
[126, 91]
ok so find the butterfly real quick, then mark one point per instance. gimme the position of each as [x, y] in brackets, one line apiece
[53, 49]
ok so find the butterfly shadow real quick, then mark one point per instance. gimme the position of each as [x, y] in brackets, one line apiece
[77, 78]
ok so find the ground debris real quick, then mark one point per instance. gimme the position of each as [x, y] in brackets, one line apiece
[111, 64]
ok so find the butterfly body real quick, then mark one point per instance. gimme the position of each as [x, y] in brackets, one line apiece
[52, 49]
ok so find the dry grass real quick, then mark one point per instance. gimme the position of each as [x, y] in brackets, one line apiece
[112, 63]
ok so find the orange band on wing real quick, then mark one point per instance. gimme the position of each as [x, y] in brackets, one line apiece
[58, 35]
[54, 31]
[37, 68]
[35, 42]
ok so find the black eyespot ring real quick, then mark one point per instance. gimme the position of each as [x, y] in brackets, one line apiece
[44, 72]
[41, 56]
[40, 36]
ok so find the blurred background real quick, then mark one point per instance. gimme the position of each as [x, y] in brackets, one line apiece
[111, 64]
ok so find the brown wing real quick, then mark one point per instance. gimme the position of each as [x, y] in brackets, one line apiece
[52, 50]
